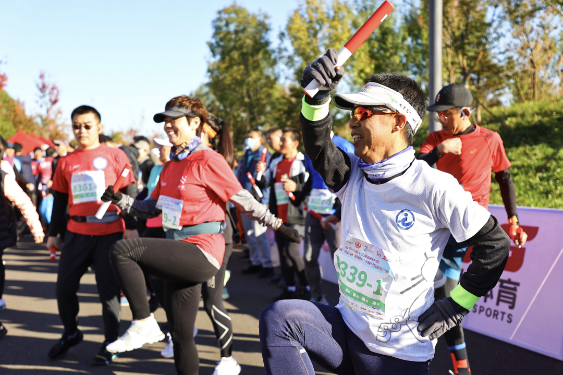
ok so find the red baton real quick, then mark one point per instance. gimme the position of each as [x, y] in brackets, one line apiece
[262, 160]
[356, 40]
[53, 255]
[253, 182]
[124, 172]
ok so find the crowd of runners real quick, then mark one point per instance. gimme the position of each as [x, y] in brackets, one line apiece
[396, 228]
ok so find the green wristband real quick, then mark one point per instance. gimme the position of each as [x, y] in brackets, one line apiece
[463, 298]
[314, 112]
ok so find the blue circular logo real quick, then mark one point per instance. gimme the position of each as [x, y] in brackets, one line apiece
[100, 163]
[405, 219]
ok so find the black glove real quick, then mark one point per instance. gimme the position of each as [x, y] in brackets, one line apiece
[324, 71]
[290, 233]
[442, 316]
[111, 196]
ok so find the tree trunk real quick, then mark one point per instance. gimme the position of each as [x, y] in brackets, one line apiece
[478, 112]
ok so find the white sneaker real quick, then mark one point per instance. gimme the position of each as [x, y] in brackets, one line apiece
[137, 335]
[2, 304]
[227, 366]
[168, 351]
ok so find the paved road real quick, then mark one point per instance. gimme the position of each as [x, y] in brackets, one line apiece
[34, 325]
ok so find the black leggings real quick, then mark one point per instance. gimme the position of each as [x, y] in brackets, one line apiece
[212, 293]
[2, 273]
[291, 260]
[184, 268]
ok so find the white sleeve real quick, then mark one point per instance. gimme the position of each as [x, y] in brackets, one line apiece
[353, 165]
[457, 211]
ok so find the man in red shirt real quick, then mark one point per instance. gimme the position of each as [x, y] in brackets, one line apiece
[80, 179]
[469, 153]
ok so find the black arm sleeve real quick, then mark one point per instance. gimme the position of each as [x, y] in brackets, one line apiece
[58, 217]
[338, 213]
[331, 162]
[431, 158]
[507, 191]
[491, 246]
[130, 220]
[20, 179]
[303, 192]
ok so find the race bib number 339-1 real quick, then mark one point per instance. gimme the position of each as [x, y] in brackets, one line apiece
[87, 186]
[364, 276]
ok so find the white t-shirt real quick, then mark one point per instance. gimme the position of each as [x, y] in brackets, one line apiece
[410, 218]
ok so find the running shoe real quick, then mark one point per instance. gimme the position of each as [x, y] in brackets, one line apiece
[227, 277]
[104, 357]
[266, 273]
[123, 300]
[168, 351]
[2, 304]
[137, 335]
[64, 344]
[227, 366]
[304, 293]
[226, 294]
[3, 330]
[322, 300]
[286, 294]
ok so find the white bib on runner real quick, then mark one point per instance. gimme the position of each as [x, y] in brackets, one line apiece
[87, 186]
[364, 276]
[171, 211]
[281, 194]
[321, 201]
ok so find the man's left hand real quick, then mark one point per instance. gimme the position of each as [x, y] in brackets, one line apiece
[517, 234]
[112, 196]
[289, 185]
[130, 233]
[442, 316]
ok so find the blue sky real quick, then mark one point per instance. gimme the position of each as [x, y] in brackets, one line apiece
[126, 58]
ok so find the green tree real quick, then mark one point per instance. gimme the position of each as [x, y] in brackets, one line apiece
[242, 87]
[537, 49]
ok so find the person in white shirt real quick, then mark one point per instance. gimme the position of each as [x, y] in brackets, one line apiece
[397, 215]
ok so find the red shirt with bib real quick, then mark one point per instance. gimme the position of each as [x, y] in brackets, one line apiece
[84, 175]
[482, 152]
[203, 182]
[284, 168]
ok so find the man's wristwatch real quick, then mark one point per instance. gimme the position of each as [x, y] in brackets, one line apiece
[513, 221]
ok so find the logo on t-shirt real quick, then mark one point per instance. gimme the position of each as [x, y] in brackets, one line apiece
[405, 219]
[100, 163]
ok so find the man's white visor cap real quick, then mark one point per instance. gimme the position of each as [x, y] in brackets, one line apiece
[375, 94]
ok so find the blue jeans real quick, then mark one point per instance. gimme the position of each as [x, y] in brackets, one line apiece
[452, 259]
[292, 332]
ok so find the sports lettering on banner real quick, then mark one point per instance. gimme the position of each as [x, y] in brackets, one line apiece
[524, 309]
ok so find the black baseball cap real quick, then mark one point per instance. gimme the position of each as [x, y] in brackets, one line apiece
[174, 112]
[452, 96]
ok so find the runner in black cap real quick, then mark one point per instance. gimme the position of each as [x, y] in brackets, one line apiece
[469, 153]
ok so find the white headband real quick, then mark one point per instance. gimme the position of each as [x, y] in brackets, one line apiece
[375, 94]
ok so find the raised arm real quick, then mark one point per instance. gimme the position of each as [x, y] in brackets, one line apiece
[332, 163]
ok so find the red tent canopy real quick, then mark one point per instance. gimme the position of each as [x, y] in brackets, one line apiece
[28, 141]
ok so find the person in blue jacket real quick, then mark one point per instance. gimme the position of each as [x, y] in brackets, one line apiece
[258, 245]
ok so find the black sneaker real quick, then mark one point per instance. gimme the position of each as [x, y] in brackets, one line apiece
[304, 293]
[104, 357]
[64, 344]
[3, 330]
[252, 269]
[266, 272]
[286, 294]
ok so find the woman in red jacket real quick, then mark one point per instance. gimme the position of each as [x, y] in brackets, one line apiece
[191, 194]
